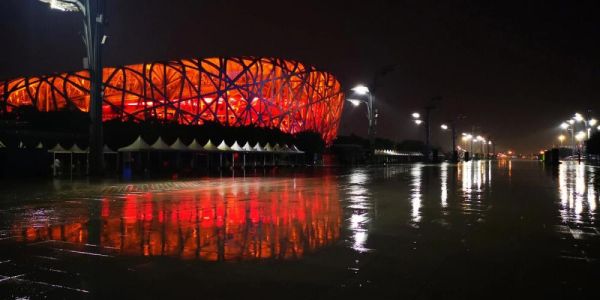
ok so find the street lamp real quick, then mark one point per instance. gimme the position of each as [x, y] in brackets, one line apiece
[453, 137]
[561, 138]
[354, 102]
[93, 37]
[427, 123]
[362, 90]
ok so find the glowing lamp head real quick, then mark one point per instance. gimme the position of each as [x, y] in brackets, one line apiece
[571, 121]
[354, 102]
[418, 122]
[416, 115]
[564, 125]
[580, 136]
[598, 128]
[360, 89]
[444, 127]
[578, 117]
[561, 137]
[489, 142]
[62, 5]
[593, 122]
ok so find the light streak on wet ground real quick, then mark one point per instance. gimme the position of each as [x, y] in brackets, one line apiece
[480, 229]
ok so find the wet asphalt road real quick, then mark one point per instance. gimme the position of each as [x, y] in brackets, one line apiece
[474, 230]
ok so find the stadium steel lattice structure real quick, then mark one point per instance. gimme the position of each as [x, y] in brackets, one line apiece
[244, 91]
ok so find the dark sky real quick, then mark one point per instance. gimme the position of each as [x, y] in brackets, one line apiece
[514, 69]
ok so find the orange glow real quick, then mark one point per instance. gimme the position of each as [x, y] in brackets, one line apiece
[240, 222]
[266, 92]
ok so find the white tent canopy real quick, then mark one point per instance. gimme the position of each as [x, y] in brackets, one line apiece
[2, 145]
[268, 148]
[58, 149]
[295, 148]
[258, 148]
[247, 147]
[138, 145]
[160, 145]
[107, 150]
[223, 146]
[236, 147]
[286, 149]
[179, 145]
[76, 149]
[195, 146]
[210, 146]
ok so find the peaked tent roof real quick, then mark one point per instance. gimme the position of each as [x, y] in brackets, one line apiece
[160, 145]
[107, 150]
[195, 146]
[2, 145]
[138, 145]
[58, 149]
[76, 149]
[247, 147]
[286, 149]
[295, 148]
[268, 148]
[258, 148]
[223, 146]
[236, 147]
[179, 145]
[39, 145]
[210, 146]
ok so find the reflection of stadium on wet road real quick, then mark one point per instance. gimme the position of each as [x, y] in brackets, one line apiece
[361, 233]
[231, 220]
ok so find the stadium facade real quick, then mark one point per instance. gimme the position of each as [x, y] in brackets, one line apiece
[237, 91]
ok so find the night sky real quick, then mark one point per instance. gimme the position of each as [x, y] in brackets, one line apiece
[514, 69]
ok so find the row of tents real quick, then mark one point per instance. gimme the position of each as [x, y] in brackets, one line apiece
[140, 145]
[380, 152]
[159, 145]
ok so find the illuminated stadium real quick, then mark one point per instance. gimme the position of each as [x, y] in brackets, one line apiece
[244, 91]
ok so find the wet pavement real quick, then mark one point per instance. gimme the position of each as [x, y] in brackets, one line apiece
[502, 229]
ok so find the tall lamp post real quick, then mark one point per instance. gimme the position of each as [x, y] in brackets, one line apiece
[427, 122]
[453, 132]
[93, 38]
[362, 90]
